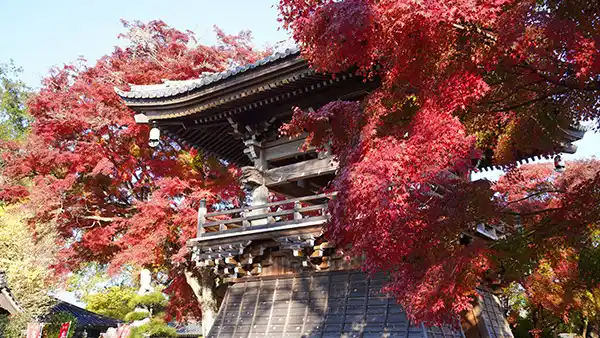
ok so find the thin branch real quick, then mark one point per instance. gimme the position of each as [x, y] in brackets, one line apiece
[515, 91]
[561, 83]
[526, 103]
[537, 194]
[533, 213]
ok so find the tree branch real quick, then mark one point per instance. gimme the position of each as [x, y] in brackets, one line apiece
[561, 83]
[533, 213]
[526, 103]
[536, 194]
[101, 218]
[472, 28]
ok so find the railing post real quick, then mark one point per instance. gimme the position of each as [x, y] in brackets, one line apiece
[297, 214]
[245, 223]
[201, 217]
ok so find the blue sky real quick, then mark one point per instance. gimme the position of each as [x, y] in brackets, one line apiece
[39, 34]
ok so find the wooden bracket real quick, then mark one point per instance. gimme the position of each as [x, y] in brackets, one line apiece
[236, 128]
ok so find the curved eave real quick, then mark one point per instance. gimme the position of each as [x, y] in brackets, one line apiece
[569, 135]
[222, 96]
[223, 86]
[8, 303]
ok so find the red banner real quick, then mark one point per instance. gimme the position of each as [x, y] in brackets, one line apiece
[64, 330]
[34, 330]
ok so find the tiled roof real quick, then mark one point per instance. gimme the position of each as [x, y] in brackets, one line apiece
[3, 282]
[84, 317]
[330, 304]
[7, 301]
[493, 316]
[173, 88]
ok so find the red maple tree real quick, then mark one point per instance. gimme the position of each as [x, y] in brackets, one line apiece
[491, 80]
[114, 199]
[460, 79]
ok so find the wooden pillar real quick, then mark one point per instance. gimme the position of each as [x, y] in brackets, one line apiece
[260, 196]
[327, 152]
[201, 218]
[254, 150]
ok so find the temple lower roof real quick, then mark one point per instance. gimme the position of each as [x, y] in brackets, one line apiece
[331, 304]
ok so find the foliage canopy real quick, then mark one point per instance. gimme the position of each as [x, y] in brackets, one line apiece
[463, 82]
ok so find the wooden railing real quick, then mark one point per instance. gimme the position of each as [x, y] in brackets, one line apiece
[292, 211]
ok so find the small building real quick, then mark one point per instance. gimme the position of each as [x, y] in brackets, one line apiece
[8, 304]
[286, 279]
[89, 324]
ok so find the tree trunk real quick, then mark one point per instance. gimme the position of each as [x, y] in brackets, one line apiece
[585, 328]
[202, 282]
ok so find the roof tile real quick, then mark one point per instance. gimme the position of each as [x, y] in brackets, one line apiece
[84, 317]
[172, 88]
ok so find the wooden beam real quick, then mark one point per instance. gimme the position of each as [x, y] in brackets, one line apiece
[290, 173]
[301, 170]
[292, 190]
[312, 225]
[283, 150]
[212, 142]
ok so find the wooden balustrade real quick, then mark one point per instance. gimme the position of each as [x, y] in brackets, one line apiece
[308, 209]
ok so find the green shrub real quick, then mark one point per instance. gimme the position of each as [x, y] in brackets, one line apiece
[152, 300]
[136, 315]
[155, 328]
[13, 326]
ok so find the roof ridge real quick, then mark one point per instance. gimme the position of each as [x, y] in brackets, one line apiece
[175, 87]
[7, 293]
